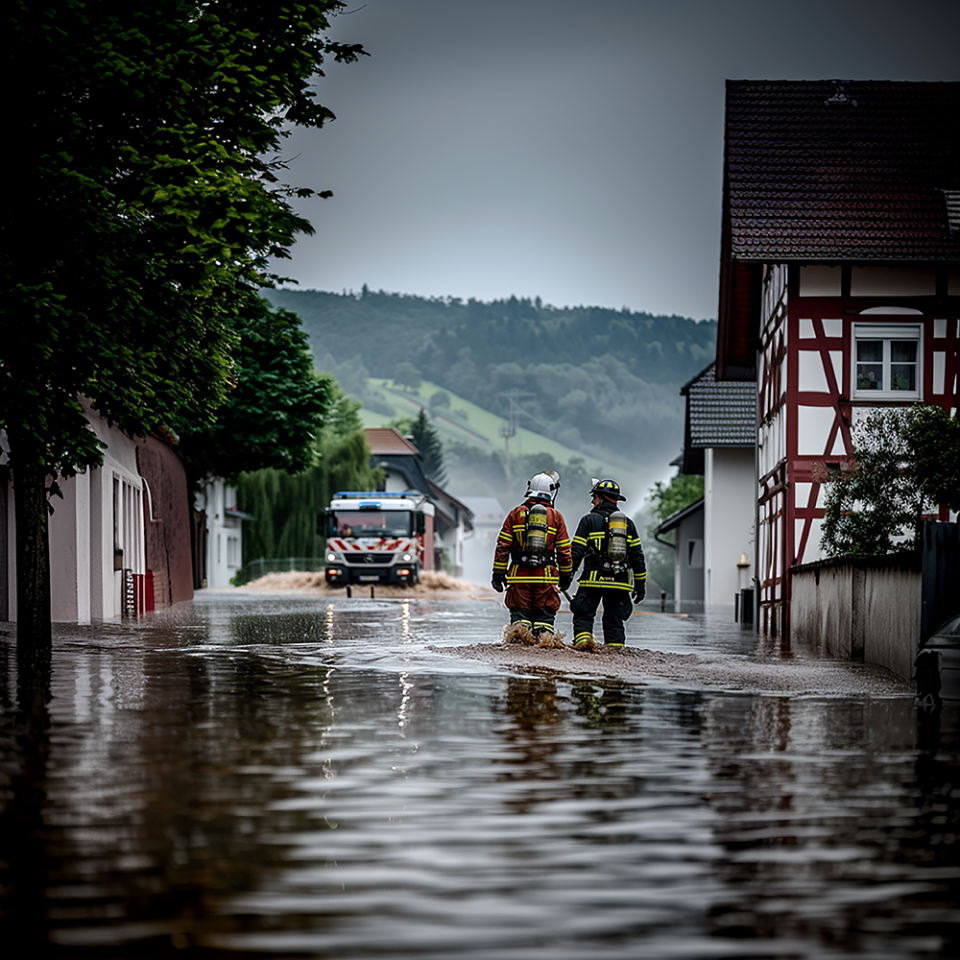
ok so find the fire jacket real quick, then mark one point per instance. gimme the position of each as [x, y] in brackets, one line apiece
[590, 547]
[512, 540]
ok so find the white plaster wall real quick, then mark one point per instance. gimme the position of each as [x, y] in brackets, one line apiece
[216, 499]
[892, 281]
[83, 583]
[813, 428]
[688, 581]
[64, 527]
[820, 281]
[729, 503]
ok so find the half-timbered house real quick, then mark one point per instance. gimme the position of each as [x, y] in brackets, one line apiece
[839, 282]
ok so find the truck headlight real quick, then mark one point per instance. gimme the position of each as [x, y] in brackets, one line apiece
[407, 557]
[331, 558]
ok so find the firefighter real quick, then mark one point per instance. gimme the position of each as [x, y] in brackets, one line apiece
[613, 567]
[532, 559]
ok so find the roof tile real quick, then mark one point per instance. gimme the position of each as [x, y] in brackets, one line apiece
[720, 413]
[824, 170]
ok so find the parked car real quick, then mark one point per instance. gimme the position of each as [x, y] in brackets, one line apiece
[938, 664]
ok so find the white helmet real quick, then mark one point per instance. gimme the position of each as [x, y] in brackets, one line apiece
[544, 486]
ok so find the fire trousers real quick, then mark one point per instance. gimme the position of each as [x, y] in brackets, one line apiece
[617, 607]
[533, 604]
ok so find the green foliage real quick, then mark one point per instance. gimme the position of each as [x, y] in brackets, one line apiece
[407, 375]
[274, 413]
[440, 399]
[604, 380]
[933, 437]
[666, 500]
[426, 440]
[663, 501]
[344, 415]
[145, 208]
[905, 462]
[285, 507]
[874, 502]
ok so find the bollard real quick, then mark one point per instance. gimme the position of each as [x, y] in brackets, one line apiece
[663, 600]
[349, 591]
[371, 593]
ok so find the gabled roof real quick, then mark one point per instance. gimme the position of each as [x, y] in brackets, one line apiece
[720, 413]
[391, 449]
[388, 441]
[675, 519]
[824, 171]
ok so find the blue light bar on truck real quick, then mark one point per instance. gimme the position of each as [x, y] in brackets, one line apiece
[380, 495]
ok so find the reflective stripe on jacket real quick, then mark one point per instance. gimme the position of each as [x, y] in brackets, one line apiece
[511, 542]
[588, 546]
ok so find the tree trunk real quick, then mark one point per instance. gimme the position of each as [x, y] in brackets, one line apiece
[33, 562]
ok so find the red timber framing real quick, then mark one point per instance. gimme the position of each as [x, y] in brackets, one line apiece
[808, 402]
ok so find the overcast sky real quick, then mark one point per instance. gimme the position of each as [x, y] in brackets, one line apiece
[566, 149]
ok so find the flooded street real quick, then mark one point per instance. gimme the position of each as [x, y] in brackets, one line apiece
[265, 775]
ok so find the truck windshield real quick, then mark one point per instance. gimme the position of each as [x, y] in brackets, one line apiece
[373, 523]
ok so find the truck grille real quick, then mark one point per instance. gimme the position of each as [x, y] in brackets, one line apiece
[362, 559]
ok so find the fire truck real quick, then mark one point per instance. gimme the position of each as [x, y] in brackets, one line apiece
[377, 537]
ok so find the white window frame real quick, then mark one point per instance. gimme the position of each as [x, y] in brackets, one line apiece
[887, 333]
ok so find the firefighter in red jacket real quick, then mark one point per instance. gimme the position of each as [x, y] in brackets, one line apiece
[532, 558]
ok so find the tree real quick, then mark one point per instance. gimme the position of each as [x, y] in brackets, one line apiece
[427, 441]
[664, 501]
[276, 408]
[933, 438]
[905, 462]
[683, 489]
[148, 207]
[407, 375]
[284, 507]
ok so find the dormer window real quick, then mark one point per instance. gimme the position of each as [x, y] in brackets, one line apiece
[886, 362]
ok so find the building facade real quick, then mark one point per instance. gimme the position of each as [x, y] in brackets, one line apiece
[119, 537]
[840, 283]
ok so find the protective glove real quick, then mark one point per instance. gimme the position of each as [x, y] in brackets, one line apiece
[639, 592]
[564, 583]
[498, 582]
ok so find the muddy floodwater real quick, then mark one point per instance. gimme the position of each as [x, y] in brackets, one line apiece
[260, 774]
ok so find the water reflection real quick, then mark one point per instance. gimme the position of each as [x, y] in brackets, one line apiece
[311, 781]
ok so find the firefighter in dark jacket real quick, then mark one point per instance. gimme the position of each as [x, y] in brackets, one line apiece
[532, 560]
[613, 568]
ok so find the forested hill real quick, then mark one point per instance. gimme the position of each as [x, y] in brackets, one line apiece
[596, 376]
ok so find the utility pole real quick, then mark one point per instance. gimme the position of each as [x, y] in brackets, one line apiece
[509, 429]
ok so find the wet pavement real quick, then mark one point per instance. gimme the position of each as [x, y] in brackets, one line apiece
[256, 775]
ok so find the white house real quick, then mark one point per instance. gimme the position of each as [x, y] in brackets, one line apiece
[219, 526]
[714, 537]
[96, 536]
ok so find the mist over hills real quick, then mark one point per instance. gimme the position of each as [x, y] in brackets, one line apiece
[594, 379]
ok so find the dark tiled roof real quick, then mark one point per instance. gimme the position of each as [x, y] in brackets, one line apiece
[851, 172]
[841, 171]
[720, 413]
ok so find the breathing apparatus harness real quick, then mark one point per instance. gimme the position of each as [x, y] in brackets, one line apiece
[534, 552]
[612, 558]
